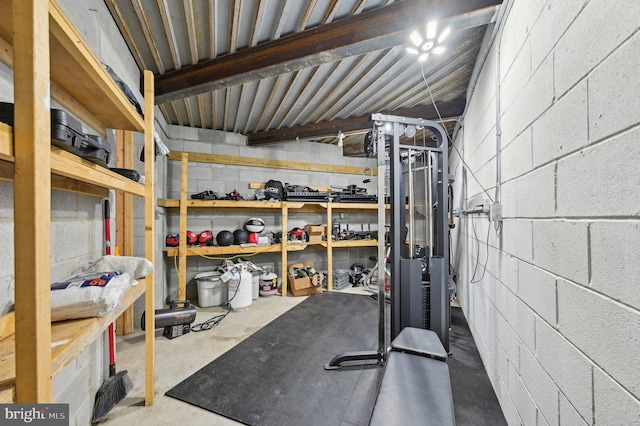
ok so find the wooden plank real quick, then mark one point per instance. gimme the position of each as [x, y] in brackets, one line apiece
[72, 185]
[6, 142]
[149, 236]
[124, 220]
[32, 186]
[7, 171]
[64, 163]
[58, 93]
[221, 204]
[68, 339]
[284, 269]
[267, 163]
[226, 250]
[7, 325]
[354, 243]
[7, 394]
[182, 249]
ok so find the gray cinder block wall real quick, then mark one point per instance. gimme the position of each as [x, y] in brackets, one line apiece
[225, 178]
[553, 296]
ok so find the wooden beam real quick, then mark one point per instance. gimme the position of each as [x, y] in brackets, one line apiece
[266, 163]
[182, 250]
[354, 124]
[32, 188]
[124, 219]
[366, 32]
[149, 238]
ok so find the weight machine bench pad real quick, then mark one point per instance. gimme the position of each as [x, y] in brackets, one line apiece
[421, 342]
[414, 390]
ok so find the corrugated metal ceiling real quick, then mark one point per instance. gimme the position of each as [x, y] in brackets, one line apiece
[169, 35]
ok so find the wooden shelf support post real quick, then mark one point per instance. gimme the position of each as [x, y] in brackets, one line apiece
[182, 242]
[149, 234]
[32, 189]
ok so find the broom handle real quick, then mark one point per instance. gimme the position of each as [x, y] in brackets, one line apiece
[107, 227]
[112, 350]
[107, 250]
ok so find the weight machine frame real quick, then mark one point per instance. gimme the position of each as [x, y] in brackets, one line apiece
[404, 306]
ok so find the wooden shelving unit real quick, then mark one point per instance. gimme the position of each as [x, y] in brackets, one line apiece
[47, 50]
[185, 205]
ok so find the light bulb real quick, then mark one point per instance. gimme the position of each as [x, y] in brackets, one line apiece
[444, 34]
[412, 51]
[438, 50]
[432, 28]
[416, 38]
[423, 57]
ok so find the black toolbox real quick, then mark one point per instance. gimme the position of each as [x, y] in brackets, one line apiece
[66, 133]
[96, 149]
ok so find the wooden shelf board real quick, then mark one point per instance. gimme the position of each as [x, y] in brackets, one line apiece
[68, 340]
[71, 173]
[79, 72]
[222, 204]
[354, 206]
[6, 142]
[354, 243]
[65, 164]
[227, 250]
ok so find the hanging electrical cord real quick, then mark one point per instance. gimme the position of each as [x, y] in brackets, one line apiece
[486, 261]
[449, 137]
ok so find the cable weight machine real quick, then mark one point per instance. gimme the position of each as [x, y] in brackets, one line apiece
[420, 284]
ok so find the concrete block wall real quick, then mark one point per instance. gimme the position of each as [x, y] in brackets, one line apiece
[552, 294]
[226, 178]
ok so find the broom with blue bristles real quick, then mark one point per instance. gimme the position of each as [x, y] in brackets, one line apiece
[117, 385]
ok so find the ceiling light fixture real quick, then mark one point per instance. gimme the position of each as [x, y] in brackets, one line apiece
[340, 139]
[421, 48]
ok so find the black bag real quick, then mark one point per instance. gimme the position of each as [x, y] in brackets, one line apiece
[273, 190]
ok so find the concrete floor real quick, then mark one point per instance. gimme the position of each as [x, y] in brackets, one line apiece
[177, 359]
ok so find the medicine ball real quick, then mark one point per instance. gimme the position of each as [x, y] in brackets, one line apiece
[240, 236]
[254, 224]
[224, 238]
[173, 240]
[205, 238]
[192, 238]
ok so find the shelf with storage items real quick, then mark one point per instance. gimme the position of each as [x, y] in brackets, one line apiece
[32, 349]
[185, 205]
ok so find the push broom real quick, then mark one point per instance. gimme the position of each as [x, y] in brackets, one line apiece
[117, 385]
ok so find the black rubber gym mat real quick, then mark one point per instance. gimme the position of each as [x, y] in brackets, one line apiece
[276, 376]
[474, 401]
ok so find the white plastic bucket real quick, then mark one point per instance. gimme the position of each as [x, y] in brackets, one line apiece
[212, 291]
[240, 291]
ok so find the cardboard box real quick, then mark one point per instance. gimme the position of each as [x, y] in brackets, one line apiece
[315, 233]
[303, 286]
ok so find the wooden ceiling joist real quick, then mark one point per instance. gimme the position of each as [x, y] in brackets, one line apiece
[353, 124]
[354, 35]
